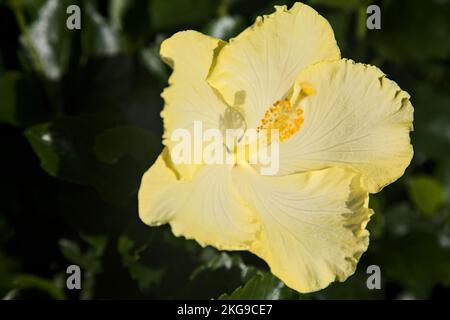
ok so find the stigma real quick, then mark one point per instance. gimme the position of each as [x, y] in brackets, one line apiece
[286, 115]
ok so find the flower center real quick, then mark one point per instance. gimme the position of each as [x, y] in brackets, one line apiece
[286, 115]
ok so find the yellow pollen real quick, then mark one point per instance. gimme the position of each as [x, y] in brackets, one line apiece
[284, 116]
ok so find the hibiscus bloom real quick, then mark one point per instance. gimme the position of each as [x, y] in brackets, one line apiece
[344, 133]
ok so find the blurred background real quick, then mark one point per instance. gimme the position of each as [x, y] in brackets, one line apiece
[79, 125]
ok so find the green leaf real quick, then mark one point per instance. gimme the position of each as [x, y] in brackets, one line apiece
[341, 24]
[339, 4]
[98, 38]
[177, 13]
[354, 288]
[416, 262]
[149, 57]
[401, 218]
[113, 144]
[72, 252]
[225, 27]
[262, 286]
[405, 28]
[66, 146]
[144, 275]
[48, 41]
[30, 7]
[41, 141]
[8, 103]
[131, 18]
[117, 10]
[443, 172]
[8, 268]
[28, 281]
[125, 247]
[118, 86]
[215, 272]
[90, 259]
[22, 103]
[431, 120]
[217, 260]
[426, 193]
[96, 243]
[376, 225]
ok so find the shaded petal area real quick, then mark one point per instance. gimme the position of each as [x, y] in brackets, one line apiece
[312, 224]
[207, 208]
[358, 118]
[189, 98]
[260, 65]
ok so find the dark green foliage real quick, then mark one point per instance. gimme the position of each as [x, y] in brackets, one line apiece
[80, 124]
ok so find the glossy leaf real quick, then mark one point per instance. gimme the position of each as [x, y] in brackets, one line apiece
[113, 144]
[145, 276]
[262, 286]
[177, 13]
[48, 41]
[427, 193]
[21, 103]
[98, 37]
[225, 27]
[28, 281]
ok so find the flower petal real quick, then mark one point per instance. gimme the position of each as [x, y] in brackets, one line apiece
[155, 208]
[312, 224]
[189, 98]
[260, 65]
[207, 208]
[358, 118]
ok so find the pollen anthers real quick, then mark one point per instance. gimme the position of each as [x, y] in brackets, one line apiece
[286, 115]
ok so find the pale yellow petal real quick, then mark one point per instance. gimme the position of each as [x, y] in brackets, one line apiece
[189, 98]
[207, 208]
[312, 224]
[260, 65]
[155, 207]
[357, 118]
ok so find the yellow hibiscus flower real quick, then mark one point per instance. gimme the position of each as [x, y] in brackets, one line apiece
[348, 137]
